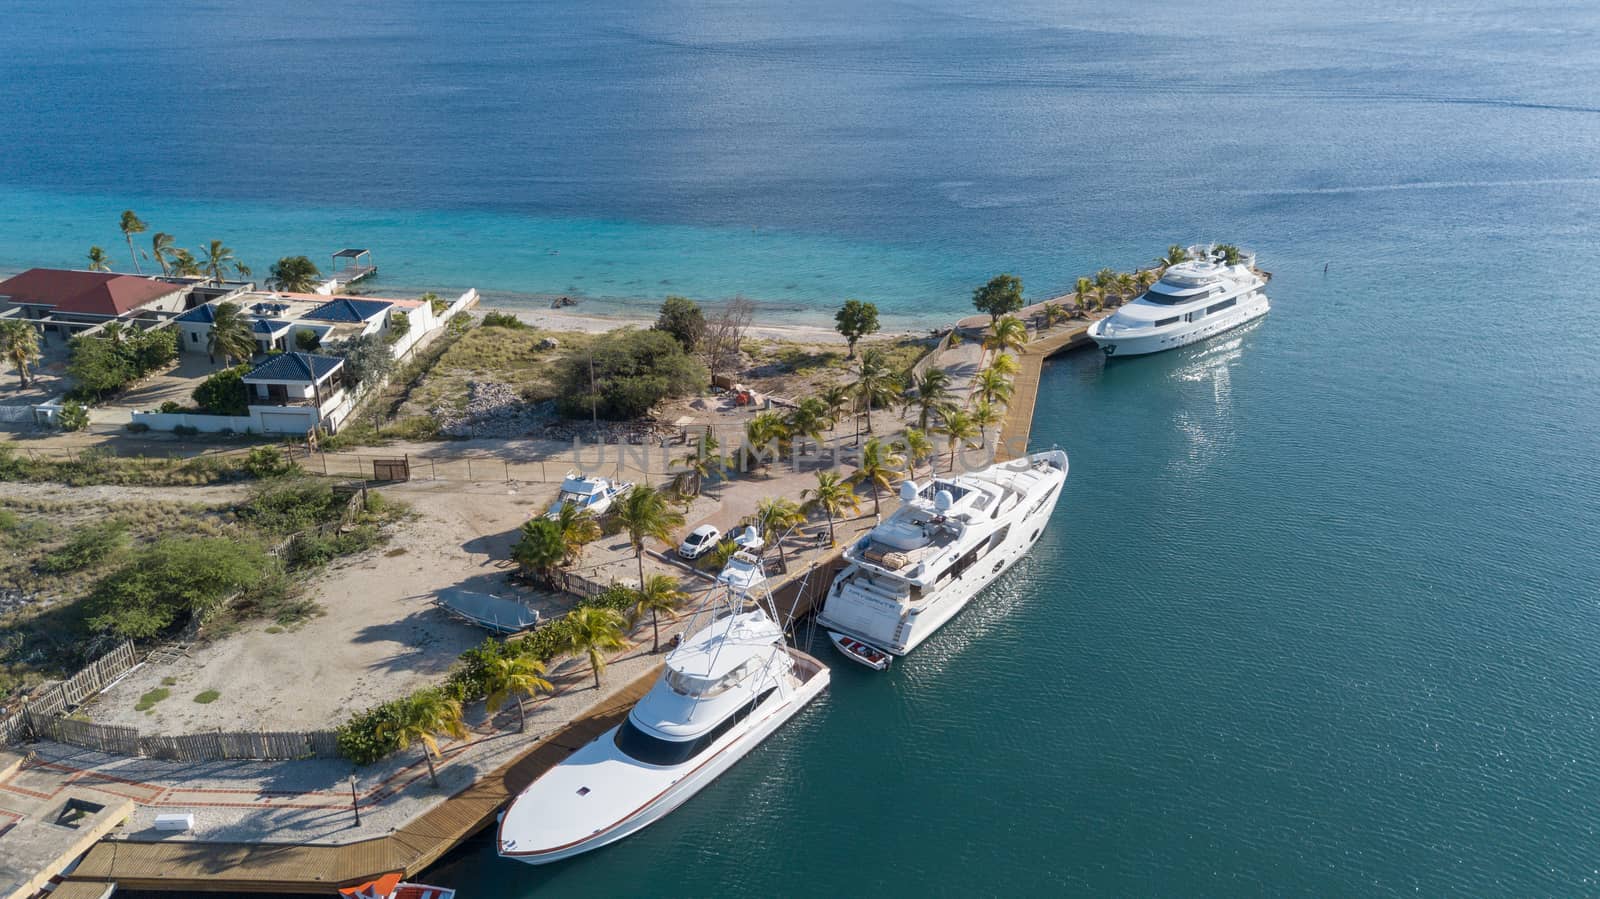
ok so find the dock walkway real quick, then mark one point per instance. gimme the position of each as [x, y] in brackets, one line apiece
[278, 868]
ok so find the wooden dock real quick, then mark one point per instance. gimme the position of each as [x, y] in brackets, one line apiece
[277, 868]
[1018, 423]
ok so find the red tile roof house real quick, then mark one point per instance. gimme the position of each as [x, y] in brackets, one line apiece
[67, 302]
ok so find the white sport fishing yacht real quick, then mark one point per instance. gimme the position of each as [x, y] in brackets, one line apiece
[947, 541]
[590, 493]
[1193, 300]
[725, 689]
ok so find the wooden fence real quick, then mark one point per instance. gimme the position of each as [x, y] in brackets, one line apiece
[211, 747]
[43, 718]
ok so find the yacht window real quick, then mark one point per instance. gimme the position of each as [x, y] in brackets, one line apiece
[1218, 307]
[1167, 321]
[1167, 299]
[692, 685]
[642, 747]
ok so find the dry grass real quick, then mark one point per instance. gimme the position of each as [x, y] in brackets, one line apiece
[507, 355]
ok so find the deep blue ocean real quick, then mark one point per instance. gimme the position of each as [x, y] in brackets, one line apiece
[1320, 610]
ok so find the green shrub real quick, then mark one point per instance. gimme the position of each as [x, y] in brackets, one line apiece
[186, 431]
[287, 506]
[682, 318]
[72, 417]
[89, 545]
[8, 521]
[435, 302]
[137, 427]
[269, 462]
[224, 392]
[206, 697]
[173, 580]
[311, 549]
[631, 372]
[504, 320]
[359, 738]
[399, 325]
[171, 408]
[460, 323]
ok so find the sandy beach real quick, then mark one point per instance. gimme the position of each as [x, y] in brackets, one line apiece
[571, 319]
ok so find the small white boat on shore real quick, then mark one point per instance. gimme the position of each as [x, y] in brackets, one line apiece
[726, 687]
[589, 493]
[1194, 300]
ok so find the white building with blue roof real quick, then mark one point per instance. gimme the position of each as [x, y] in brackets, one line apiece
[292, 393]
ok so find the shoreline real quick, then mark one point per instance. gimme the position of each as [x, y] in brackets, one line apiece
[593, 323]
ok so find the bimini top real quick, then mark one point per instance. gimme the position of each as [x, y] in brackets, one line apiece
[581, 484]
[711, 675]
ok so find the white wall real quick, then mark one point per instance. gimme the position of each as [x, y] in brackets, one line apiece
[206, 424]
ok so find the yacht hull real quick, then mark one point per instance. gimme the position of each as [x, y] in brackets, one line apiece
[882, 625]
[699, 774]
[1172, 338]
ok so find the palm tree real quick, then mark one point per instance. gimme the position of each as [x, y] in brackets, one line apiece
[509, 677]
[917, 448]
[879, 468]
[958, 428]
[230, 334]
[775, 515]
[98, 260]
[131, 225]
[1053, 313]
[876, 384]
[1175, 255]
[1146, 278]
[985, 415]
[540, 548]
[1127, 285]
[219, 261]
[660, 594]
[113, 332]
[594, 631]
[810, 419]
[838, 399]
[644, 512]
[833, 495]
[930, 395]
[578, 529]
[1085, 291]
[1008, 333]
[163, 245]
[992, 386]
[422, 719]
[19, 343]
[764, 430]
[294, 274]
[701, 463]
[184, 265]
[1006, 364]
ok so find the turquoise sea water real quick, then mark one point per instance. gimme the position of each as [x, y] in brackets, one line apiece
[1319, 611]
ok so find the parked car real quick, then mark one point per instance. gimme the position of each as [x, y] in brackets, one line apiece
[700, 541]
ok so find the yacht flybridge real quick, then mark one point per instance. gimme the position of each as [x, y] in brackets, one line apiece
[590, 493]
[1193, 300]
[947, 541]
[725, 689]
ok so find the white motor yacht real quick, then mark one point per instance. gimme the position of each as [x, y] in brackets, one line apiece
[590, 493]
[949, 538]
[725, 689]
[1193, 300]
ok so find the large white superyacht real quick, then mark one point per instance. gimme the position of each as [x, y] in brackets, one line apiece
[726, 687]
[947, 541]
[1200, 298]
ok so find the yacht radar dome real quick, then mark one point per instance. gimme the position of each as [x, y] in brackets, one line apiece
[943, 500]
[909, 490]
